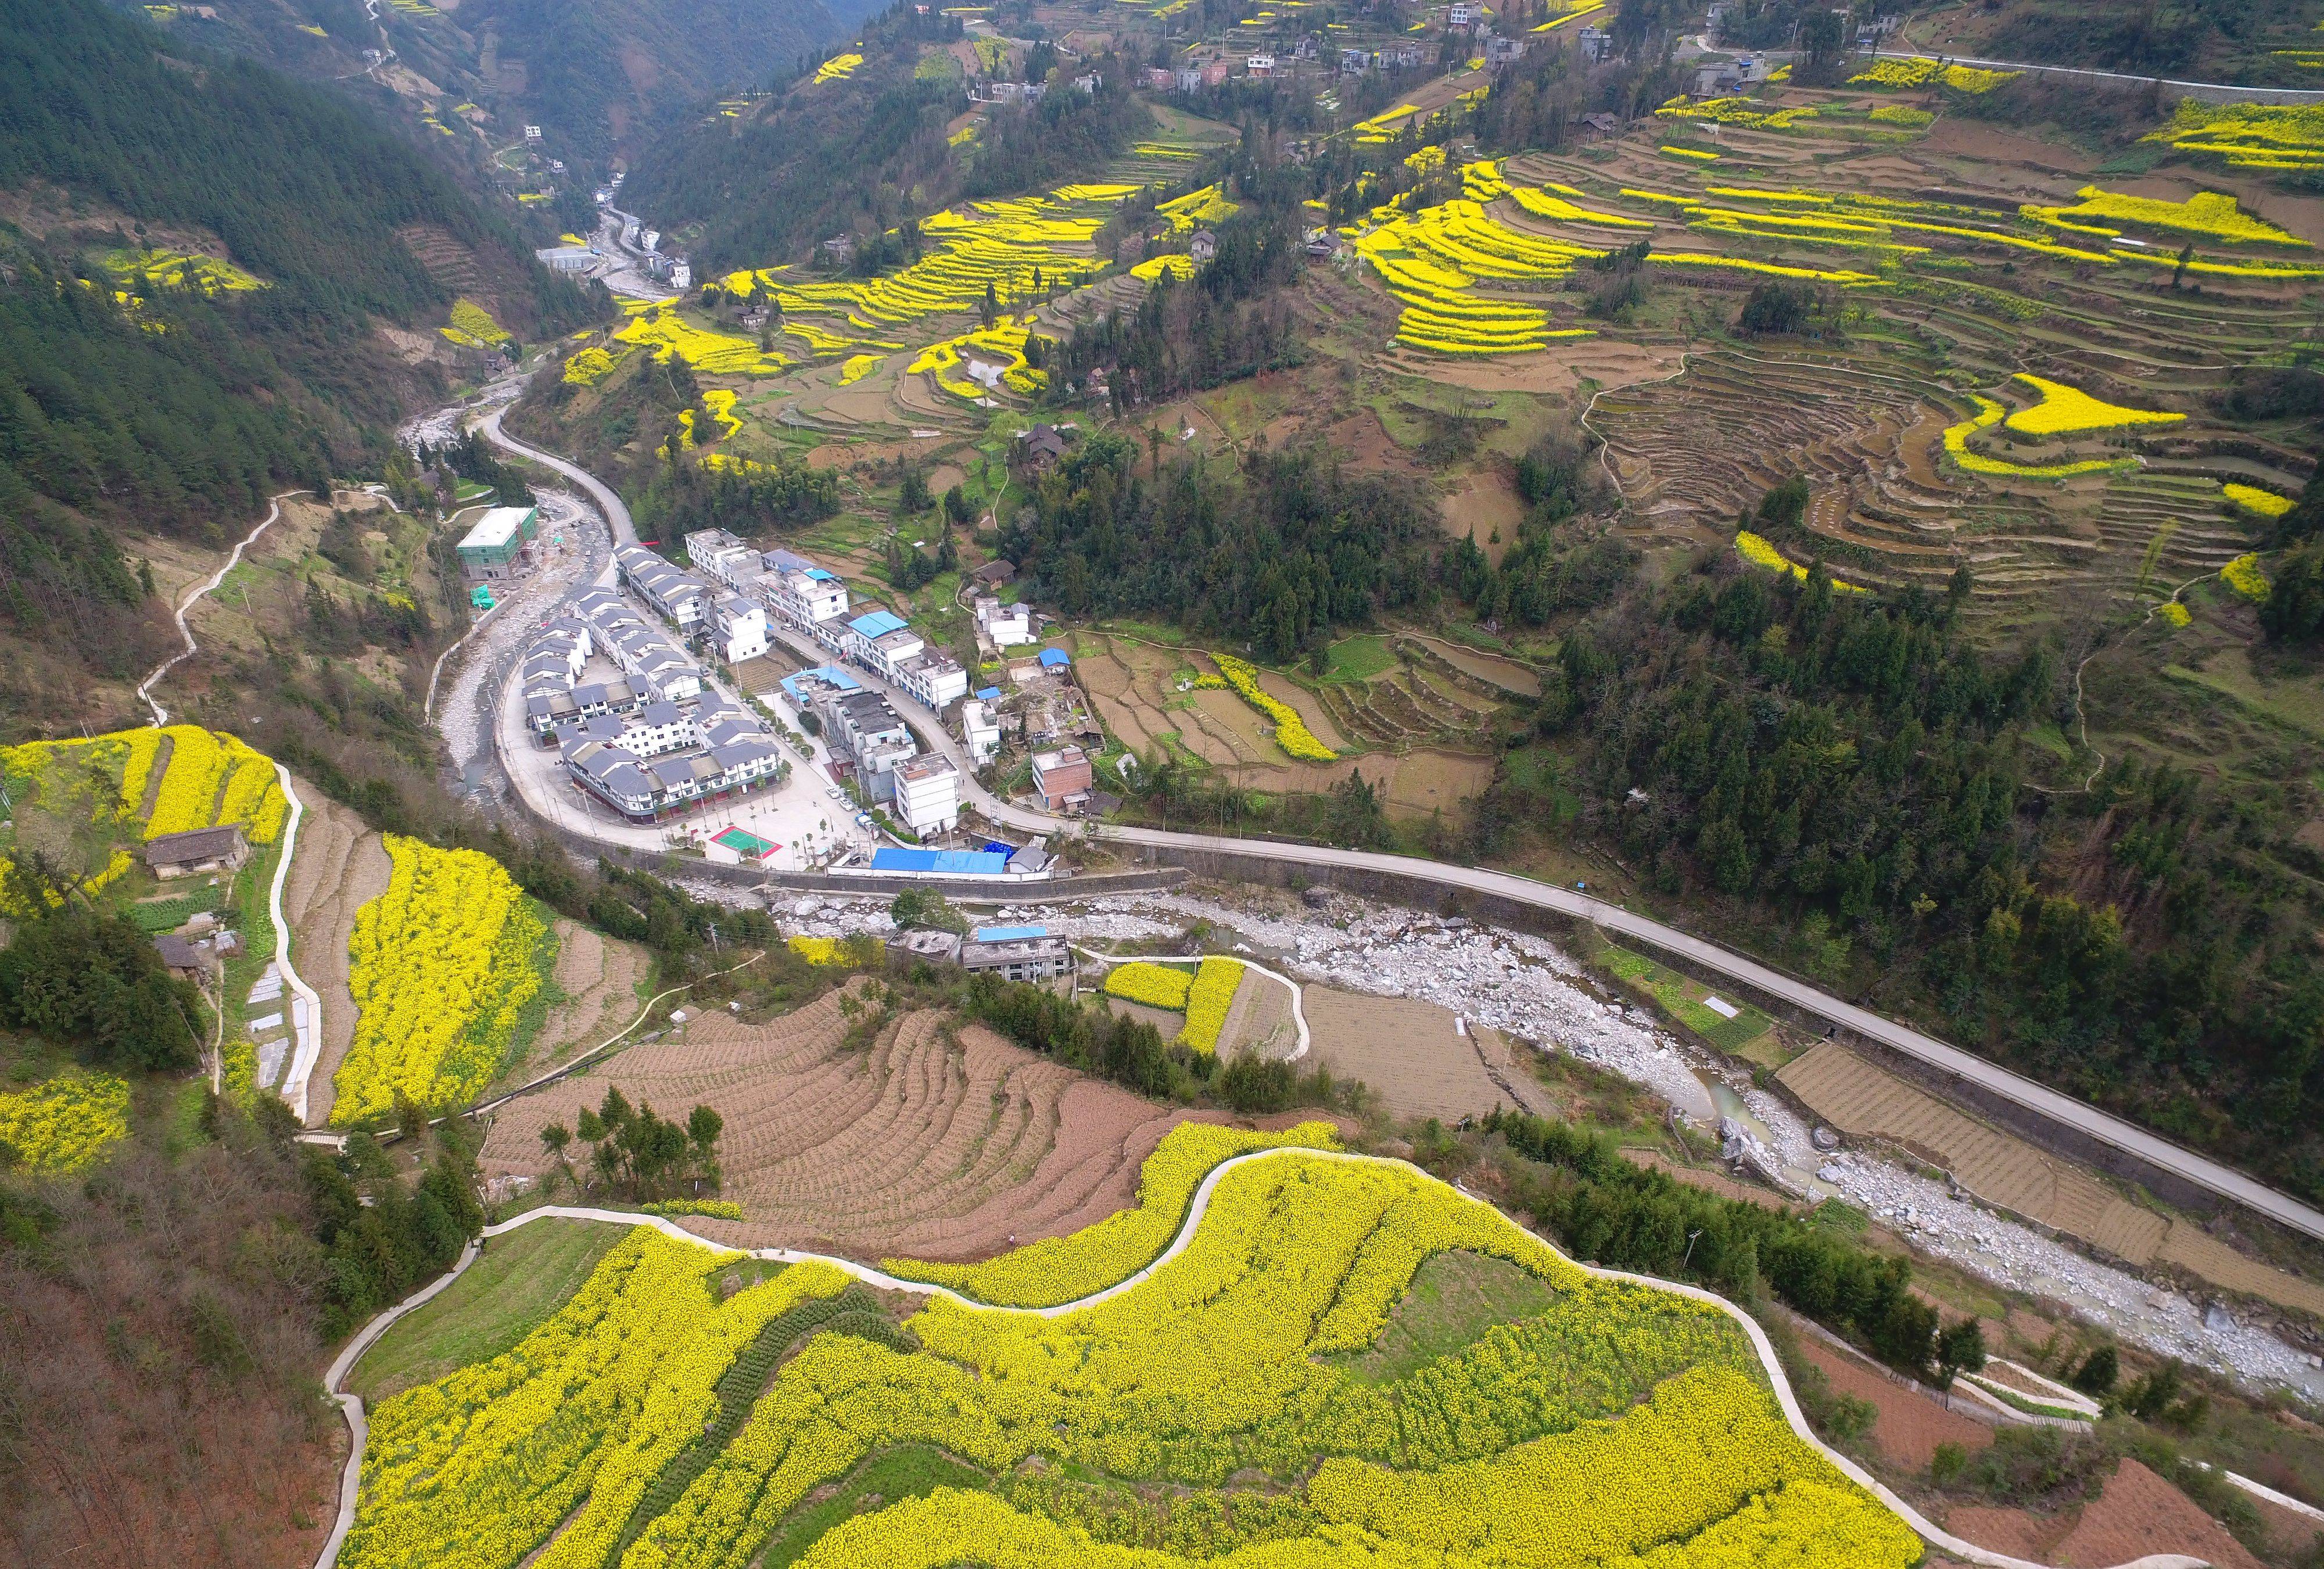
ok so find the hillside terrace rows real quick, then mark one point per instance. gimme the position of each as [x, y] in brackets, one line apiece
[851, 1132]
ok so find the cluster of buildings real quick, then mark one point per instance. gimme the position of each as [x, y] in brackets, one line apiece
[1014, 953]
[622, 699]
[863, 730]
[622, 705]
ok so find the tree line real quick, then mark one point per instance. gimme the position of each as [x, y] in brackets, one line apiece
[1601, 1207]
[1280, 549]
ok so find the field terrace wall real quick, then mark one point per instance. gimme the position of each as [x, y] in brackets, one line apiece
[1424, 892]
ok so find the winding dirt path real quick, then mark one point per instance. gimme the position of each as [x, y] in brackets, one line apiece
[145, 686]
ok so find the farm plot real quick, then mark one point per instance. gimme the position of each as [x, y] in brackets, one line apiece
[448, 973]
[933, 1142]
[599, 981]
[1866, 1102]
[684, 1409]
[2017, 425]
[340, 867]
[1411, 1052]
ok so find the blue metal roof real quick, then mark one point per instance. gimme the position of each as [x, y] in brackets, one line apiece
[1003, 934]
[951, 863]
[1052, 658]
[988, 694]
[830, 673]
[820, 575]
[878, 623]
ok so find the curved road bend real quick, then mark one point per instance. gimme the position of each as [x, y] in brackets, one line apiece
[2065, 1110]
[617, 513]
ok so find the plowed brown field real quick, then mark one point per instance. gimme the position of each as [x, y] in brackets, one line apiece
[1868, 1102]
[933, 1142]
[337, 866]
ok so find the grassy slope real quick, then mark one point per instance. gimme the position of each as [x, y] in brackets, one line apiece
[520, 1279]
[1453, 1298]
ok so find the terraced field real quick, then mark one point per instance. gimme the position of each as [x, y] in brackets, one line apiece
[1414, 723]
[1868, 1102]
[930, 1142]
[1950, 294]
[340, 867]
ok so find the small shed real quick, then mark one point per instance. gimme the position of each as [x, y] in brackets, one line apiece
[180, 956]
[222, 849]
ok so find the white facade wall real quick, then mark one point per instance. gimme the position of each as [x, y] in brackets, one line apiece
[928, 795]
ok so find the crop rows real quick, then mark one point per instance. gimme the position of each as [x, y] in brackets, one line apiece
[1619, 1420]
[922, 1141]
[444, 966]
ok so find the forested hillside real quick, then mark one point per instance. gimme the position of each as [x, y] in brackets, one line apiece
[1848, 773]
[596, 75]
[807, 165]
[145, 395]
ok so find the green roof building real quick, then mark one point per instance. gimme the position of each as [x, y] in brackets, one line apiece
[492, 549]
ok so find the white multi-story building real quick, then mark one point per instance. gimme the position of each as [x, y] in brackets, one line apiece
[721, 556]
[935, 678]
[1003, 625]
[657, 668]
[664, 760]
[659, 727]
[740, 626]
[980, 731]
[860, 640]
[865, 729]
[803, 594]
[928, 794]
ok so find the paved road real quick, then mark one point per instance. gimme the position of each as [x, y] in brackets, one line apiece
[2209, 90]
[2061, 1109]
[617, 513]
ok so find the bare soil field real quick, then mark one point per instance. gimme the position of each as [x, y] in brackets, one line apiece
[1161, 1018]
[601, 978]
[1259, 1018]
[2140, 1513]
[1507, 674]
[1407, 1052]
[1418, 782]
[1952, 136]
[1868, 1102]
[1485, 509]
[1304, 703]
[338, 867]
[931, 1142]
[1910, 1427]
